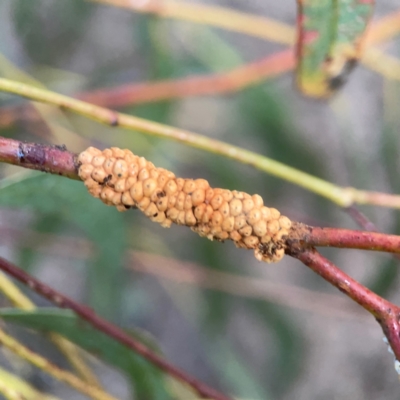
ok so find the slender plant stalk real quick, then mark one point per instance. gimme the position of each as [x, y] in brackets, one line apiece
[109, 329]
[342, 196]
[53, 159]
[40, 362]
[343, 238]
[385, 312]
[71, 351]
[57, 160]
[9, 393]
[14, 385]
[143, 92]
[219, 17]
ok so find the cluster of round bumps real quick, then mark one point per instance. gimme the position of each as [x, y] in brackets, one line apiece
[122, 179]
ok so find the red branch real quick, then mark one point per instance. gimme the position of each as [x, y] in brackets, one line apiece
[343, 238]
[109, 329]
[53, 159]
[385, 312]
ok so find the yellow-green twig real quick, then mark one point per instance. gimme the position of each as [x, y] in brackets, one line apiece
[342, 196]
[15, 388]
[72, 352]
[64, 376]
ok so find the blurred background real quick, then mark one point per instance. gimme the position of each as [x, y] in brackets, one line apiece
[251, 330]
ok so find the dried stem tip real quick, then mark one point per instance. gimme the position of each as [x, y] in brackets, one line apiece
[122, 179]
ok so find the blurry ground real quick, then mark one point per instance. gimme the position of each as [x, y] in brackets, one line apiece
[254, 348]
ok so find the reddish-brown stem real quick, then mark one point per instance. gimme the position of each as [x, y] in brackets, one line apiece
[343, 238]
[57, 160]
[385, 312]
[109, 329]
[53, 159]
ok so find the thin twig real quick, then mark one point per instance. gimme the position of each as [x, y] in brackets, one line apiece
[53, 159]
[342, 238]
[58, 160]
[194, 85]
[64, 376]
[109, 329]
[220, 17]
[385, 312]
[344, 197]
[71, 351]
[10, 383]
[360, 218]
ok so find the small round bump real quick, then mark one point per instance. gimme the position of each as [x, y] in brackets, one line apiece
[127, 199]
[258, 200]
[181, 218]
[162, 203]
[149, 186]
[120, 169]
[235, 236]
[109, 165]
[273, 227]
[199, 211]
[136, 191]
[260, 228]
[228, 224]
[227, 195]
[235, 207]
[120, 185]
[224, 209]
[162, 180]
[253, 216]
[248, 205]
[202, 184]
[85, 171]
[246, 231]
[190, 218]
[130, 182]
[159, 218]
[188, 202]
[173, 213]
[275, 214]
[251, 241]
[217, 201]
[198, 197]
[216, 219]
[172, 201]
[284, 222]
[170, 187]
[190, 186]
[98, 161]
[240, 222]
[151, 210]
[207, 214]
[180, 201]
[143, 204]
[143, 174]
